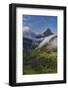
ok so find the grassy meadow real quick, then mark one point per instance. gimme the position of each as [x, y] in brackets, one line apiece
[40, 62]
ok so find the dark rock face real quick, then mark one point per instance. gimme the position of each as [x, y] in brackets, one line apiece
[39, 36]
[47, 33]
[27, 45]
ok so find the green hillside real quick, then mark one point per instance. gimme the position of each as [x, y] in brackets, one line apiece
[40, 62]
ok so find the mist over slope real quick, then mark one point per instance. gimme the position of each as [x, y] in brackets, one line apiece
[41, 39]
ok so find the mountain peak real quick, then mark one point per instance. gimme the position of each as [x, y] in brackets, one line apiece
[47, 32]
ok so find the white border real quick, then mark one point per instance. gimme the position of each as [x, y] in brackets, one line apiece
[19, 42]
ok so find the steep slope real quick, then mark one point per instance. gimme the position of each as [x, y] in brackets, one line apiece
[46, 41]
